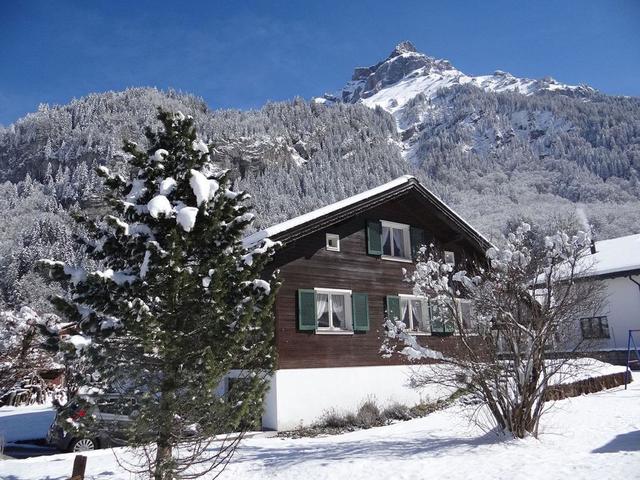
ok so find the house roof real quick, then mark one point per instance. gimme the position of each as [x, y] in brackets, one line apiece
[615, 256]
[328, 215]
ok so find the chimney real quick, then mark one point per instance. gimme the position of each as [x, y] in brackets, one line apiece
[593, 246]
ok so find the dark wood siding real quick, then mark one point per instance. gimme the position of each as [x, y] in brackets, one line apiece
[306, 263]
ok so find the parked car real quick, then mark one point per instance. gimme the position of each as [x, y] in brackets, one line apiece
[89, 422]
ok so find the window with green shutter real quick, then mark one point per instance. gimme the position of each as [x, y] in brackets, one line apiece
[393, 307]
[374, 237]
[306, 309]
[360, 305]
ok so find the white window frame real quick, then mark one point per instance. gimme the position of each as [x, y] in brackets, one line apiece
[425, 311]
[348, 313]
[328, 238]
[406, 229]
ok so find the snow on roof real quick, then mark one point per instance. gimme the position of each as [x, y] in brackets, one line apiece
[620, 254]
[321, 212]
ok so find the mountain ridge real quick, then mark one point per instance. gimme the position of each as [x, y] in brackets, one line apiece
[494, 156]
[406, 64]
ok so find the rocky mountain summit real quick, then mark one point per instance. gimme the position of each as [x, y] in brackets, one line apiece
[406, 73]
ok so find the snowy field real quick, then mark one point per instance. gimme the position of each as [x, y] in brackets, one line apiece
[595, 436]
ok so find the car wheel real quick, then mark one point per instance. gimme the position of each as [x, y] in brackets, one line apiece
[83, 445]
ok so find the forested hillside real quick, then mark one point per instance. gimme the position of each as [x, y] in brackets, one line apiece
[493, 154]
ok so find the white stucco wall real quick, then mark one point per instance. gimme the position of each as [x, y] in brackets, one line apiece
[301, 396]
[622, 311]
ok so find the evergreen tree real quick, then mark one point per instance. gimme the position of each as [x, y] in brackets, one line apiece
[176, 303]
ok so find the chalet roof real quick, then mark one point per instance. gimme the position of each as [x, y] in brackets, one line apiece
[615, 256]
[328, 215]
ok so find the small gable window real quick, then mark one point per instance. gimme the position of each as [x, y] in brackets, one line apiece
[450, 258]
[333, 242]
[396, 242]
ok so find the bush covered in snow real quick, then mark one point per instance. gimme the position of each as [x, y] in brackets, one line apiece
[24, 358]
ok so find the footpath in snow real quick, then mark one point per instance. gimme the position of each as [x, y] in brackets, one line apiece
[595, 436]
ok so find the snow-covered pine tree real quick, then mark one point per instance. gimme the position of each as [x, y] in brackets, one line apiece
[176, 303]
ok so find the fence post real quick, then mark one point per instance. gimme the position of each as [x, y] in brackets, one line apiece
[79, 466]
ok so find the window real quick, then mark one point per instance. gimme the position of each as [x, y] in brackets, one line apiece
[414, 313]
[442, 320]
[450, 258]
[467, 315]
[333, 310]
[594, 327]
[333, 242]
[395, 241]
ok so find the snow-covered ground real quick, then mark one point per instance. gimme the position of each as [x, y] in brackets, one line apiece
[590, 437]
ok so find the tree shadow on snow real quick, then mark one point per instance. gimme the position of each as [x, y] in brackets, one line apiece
[289, 455]
[625, 442]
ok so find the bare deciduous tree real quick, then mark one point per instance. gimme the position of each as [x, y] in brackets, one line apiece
[510, 316]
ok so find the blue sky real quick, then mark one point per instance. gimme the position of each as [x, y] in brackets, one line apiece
[240, 54]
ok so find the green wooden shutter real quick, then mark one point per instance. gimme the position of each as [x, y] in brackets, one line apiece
[306, 309]
[393, 307]
[360, 306]
[374, 237]
[417, 240]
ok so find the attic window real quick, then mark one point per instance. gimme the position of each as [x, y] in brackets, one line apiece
[333, 242]
[395, 241]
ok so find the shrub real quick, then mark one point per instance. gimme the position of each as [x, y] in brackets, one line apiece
[397, 411]
[423, 409]
[335, 419]
[369, 415]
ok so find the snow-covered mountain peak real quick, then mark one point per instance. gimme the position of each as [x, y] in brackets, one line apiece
[403, 47]
[407, 73]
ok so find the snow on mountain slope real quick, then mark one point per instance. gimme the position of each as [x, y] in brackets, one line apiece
[412, 87]
[406, 73]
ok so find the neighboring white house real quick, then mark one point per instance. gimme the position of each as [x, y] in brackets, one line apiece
[616, 262]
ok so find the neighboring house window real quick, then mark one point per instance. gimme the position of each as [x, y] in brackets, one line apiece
[396, 243]
[450, 258]
[414, 313]
[333, 242]
[594, 327]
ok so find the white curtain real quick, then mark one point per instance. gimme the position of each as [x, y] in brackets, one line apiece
[386, 241]
[404, 312]
[337, 304]
[398, 243]
[322, 310]
[416, 311]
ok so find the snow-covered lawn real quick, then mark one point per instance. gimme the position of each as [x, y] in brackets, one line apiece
[595, 436]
